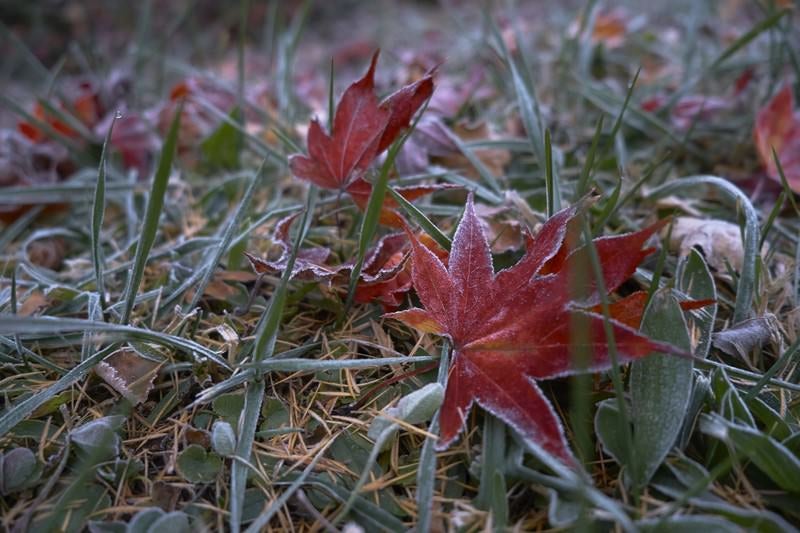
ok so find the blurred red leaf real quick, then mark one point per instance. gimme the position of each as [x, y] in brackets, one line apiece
[688, 109]
[610, 28]
[511, 328]
[778, 127]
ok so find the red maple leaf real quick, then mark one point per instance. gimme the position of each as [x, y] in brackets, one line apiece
[778, 127]
[386, 276]
[511, 328]
[363, 128]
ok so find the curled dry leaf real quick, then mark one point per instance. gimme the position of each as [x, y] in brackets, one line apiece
[35, 302]
[778, 128]
[742, 338]
[717, 240]
[511, 328]
[129, 374]
[309, 263]
[385, 275]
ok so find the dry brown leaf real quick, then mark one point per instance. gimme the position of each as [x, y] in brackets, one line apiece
[33, 303]
[719, 241]
[48, 253]
[742, 338]
[129, 374]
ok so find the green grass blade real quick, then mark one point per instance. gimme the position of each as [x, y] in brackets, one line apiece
[369, 224]
[588, 164]
[616, 377]
[527, 102]
[98, 210]
[264, 346]
[426, 471]
[748, 37]
[19, 411]
[552, 188]
[315, 365]
[56, 326]
[225, 240]
[423, 221]
[154, 205]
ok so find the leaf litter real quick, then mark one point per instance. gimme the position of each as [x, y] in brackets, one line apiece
[110, 428]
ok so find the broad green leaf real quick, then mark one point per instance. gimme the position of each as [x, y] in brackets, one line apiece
[606, 425]
[174, 522]
[223, 438]
[562, 512]
[198, 466]
[768, 454]
[660, 387]
[98, 437]
[141, 521]
[729, 402]
[19, 469]
[696, 282]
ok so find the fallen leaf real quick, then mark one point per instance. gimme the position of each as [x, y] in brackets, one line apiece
[511, 328]
[48, 252]
[630, 309]
[360, 129]
[778, 128]
[35, 302]
[309, 263]
[24, 163]
[742, 338]
[363, 128]
[504, 232]
[719, 241]
[386, 276]
[610, 28]
[689, 109]
[129, 374]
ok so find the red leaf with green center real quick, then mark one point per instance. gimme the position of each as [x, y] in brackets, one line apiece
[511, 328]
[362, 129]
